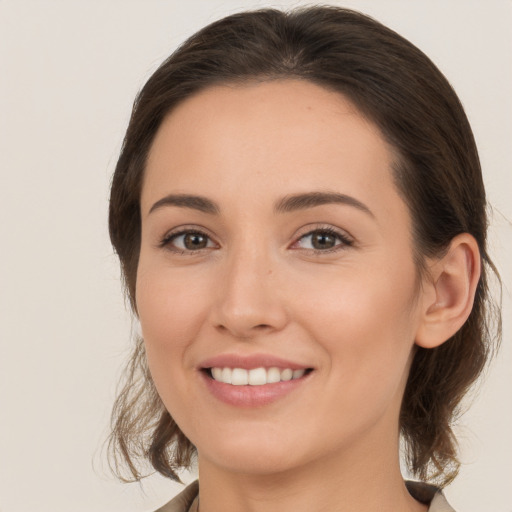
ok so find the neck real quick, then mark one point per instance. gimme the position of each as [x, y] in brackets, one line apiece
[354, 480]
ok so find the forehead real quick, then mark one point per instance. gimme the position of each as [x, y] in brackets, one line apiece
[268, 139]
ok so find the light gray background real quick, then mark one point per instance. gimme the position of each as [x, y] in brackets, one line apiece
[69, 71]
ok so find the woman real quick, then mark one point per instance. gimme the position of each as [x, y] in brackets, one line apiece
[300, 217]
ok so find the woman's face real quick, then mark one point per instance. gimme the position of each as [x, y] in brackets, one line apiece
[274, 240]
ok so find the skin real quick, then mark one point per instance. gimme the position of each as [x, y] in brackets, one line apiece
[260, 286]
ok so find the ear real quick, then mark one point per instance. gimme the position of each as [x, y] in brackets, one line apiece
[448, 295]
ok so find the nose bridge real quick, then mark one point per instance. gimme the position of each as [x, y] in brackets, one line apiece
[247, 300]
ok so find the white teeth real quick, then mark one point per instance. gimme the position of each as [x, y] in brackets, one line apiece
[256, 376]
[226, 375]
[286, 374]
[239, 377]
[297, 374]
[217, 373]
[273, 375]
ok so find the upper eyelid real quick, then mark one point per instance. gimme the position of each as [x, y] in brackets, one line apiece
[180, 230]
[302, 232]
[324, 227]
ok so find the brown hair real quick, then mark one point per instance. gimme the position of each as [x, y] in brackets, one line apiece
[437, 173]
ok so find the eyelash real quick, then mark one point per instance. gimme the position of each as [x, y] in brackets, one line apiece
[343, 238]
[327, 230]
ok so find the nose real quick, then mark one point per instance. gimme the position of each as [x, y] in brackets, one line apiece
[248, 301]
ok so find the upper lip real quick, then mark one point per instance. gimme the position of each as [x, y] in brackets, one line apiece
[249, 362]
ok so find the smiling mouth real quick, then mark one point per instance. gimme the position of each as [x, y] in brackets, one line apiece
[256, 376]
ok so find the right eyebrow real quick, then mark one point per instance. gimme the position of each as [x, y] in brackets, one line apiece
[187, 201]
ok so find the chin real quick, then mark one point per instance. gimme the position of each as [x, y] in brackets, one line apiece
[251, 457]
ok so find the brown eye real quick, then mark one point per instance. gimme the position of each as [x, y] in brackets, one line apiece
[187, 241]
[324, 240]
[194, 241]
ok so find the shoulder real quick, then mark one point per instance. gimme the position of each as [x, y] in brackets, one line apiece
[183, 501]
[427, 493]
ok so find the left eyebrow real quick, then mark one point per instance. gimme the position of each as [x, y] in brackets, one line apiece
[296, 202]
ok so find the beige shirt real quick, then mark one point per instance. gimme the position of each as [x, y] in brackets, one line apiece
[188, 500]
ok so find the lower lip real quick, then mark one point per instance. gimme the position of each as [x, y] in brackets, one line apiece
[251, 396]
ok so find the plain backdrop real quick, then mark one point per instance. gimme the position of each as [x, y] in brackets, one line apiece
[69, 71]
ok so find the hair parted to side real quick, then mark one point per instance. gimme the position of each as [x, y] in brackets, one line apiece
[437, 173]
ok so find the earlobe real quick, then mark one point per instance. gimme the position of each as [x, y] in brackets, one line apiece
[449, 296]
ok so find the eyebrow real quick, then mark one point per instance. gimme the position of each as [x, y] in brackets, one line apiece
[296, 202]
[200, 203]
[286, 204]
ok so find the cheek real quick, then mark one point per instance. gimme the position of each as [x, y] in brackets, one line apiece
[366, 322]
[171, 314]
[169, 307]
[362, 297]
